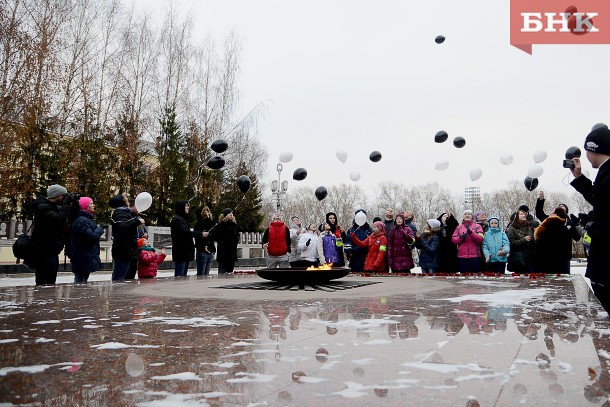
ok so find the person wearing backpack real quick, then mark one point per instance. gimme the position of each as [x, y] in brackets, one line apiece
[48, 233]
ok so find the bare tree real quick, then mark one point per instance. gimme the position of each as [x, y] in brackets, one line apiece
[504, 202]
[343, 199]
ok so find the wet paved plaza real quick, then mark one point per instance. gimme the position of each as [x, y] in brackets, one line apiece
[438, 341]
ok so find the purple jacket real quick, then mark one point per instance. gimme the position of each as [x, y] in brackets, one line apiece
[327, 248]
[400, 256]
[469, 244]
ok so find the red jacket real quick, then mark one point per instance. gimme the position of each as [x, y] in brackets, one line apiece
[278, 237]
[147, 265]
[377, 245]
[469, 244]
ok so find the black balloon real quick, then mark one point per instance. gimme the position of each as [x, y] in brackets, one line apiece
[572, 152]
[530, 183]
[219, 146]
[243, 183]
[299, 174]
[375, 156]
[459, 142]
[216, 162]
[441, 136]
[321, 193]
[439, 39]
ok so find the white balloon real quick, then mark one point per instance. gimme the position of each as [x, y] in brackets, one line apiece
[441, 165]
[286, 156]
[506, 159]
[354, 176]
[535, 171]
[539, 156]
[360, 218]
[342, 156]
[476, 173]
[143, 201]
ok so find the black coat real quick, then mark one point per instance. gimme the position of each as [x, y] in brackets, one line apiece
[447, 251]
[226, 234]
[553, 246]
[85, 244]
[598, 195]
[124, 234]
[203, 243]
[50, 226]
[183, 248]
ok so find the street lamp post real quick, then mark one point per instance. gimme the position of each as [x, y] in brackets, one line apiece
[279, 188]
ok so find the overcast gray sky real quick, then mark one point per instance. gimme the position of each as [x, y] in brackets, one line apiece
[367, 75]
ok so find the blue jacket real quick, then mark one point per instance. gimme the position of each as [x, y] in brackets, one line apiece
[355, 254]
[85, 244]
[495, 240]
[428, 252]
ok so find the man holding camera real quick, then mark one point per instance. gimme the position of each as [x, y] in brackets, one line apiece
[51, 214]
[597, 193]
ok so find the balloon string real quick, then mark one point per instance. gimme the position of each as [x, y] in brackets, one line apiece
[233, 210]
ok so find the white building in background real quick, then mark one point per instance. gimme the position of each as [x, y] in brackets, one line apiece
[472, 197]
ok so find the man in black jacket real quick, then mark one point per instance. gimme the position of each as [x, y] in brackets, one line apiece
[50, 223]
[597, 193]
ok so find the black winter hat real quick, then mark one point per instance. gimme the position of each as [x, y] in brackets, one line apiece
[226, 211]
[598, 141]
[118, 201]
[524, 208]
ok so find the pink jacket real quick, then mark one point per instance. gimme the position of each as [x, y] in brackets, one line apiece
[147, 265]
[469, 244]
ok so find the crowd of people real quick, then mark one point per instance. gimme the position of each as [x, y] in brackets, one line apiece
[474, 244]
[65, 221]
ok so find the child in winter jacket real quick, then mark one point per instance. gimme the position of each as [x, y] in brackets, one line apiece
[327, 246]
[400, 239]
[495, 247]
[149, 260]
[377, 245]
[428, 243]
[468, 237]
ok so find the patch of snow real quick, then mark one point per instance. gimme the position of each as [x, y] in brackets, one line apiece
[507, 297]
[118, 345]
[363, 362]
[179, 376]
[34, 369]
[9, 340]
[377, 342]
[308, 379]
[252, 378]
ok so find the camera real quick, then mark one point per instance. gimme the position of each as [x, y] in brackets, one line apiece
[71, 198]
[568, 164]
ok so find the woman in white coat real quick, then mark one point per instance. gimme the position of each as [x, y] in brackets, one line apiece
[308, 246]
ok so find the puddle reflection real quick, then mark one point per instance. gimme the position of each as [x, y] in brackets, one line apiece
[476, 343]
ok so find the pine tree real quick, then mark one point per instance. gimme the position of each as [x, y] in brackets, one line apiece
[171, 174]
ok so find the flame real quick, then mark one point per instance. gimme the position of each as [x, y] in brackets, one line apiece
[322, 267]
